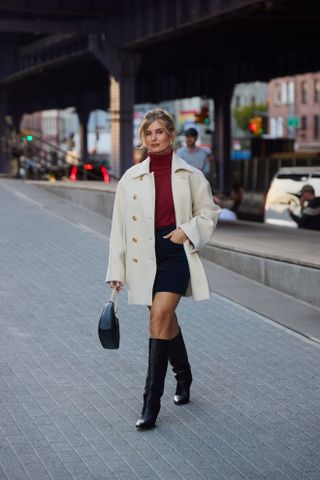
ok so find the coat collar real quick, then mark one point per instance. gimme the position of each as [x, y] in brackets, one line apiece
[143, 168]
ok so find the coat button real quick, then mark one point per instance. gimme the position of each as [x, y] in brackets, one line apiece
[135, 197]
[135, 260]
[134, 218]
[134, 239]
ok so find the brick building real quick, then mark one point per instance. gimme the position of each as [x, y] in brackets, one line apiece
[294, 109]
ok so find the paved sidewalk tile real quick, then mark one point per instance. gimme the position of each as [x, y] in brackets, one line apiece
[68, 407]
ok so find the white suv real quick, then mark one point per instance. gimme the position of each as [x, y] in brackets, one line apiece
[283, 192]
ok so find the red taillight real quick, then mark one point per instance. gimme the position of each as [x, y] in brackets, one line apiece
[105, 174]
[73, 175]
[88, 166]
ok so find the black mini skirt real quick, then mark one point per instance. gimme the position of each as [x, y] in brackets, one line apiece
[173, 273]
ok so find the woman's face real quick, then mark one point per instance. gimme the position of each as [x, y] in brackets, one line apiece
[156, 138]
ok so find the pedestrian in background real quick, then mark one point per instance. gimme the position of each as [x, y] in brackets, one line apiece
[163, 215]
[192, 154]
[310, 209]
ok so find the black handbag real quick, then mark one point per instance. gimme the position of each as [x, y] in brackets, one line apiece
[108, 330]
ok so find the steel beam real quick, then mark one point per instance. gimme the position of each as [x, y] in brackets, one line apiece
[118, 62]
[79, 8]
[50, 41]
[30, 67]
[177, 18]
[38, 25]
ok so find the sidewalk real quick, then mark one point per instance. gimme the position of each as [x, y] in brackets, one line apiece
[68, 408]
[284, 259]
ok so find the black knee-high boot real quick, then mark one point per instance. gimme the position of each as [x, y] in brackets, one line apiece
[157, 369]
[179, 360]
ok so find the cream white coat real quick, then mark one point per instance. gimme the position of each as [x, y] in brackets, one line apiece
[132, 258]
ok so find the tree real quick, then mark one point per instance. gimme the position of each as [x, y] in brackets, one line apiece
[243, 115]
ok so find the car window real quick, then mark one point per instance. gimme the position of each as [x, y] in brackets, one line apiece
[297, 177]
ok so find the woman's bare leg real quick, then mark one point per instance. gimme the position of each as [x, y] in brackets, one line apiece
[163, 320]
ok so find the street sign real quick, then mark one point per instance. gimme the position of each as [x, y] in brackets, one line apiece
[293, 122]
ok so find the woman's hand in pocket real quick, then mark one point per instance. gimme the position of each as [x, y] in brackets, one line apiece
[177, 236]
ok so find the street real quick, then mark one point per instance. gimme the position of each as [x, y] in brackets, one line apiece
[68, 407]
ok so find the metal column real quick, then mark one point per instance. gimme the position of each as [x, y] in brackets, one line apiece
[4, 160]
[83, 115]
[122, 67]
[223, 138]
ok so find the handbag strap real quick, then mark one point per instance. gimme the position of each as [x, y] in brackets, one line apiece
[114, 298]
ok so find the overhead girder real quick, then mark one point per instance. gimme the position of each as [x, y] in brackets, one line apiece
[79, 8]
[36, 26]
[180, 48]
[61, 87]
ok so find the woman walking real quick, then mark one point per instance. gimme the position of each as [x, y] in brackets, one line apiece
[163, 215]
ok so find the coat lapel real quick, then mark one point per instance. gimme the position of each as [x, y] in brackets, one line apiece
[180, 189]
[140, 169]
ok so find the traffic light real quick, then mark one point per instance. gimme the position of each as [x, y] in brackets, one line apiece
[255, 126]
[203, 115]
[27, 135]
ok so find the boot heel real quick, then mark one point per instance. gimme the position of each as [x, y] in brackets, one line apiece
[149, 417]
[182, 395]
[181, 367]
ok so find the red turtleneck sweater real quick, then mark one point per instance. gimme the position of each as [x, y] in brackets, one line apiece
[160, 165]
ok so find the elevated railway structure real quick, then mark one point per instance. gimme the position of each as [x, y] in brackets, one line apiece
[111, 54]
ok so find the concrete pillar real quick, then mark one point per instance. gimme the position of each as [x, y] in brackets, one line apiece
[122, 67]
[121, 107]
[4, 160]
[83, 114]
[222, 138]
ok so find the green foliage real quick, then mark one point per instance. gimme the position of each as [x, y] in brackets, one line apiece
[243, 115]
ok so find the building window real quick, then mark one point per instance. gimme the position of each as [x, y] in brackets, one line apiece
[284, 93]
[279, 127]
[273, 127]
[253, 99]
[303, 122]
[277, 93]
[316, 127]
[238, 101]
[304, 92]
[317, 91]
[291, 92]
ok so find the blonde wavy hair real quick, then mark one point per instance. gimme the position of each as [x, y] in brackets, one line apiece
[163, 117]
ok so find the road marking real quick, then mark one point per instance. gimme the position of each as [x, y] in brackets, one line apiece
[21, 195]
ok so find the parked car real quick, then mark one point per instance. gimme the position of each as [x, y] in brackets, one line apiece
[284, 191]
[92, 170]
